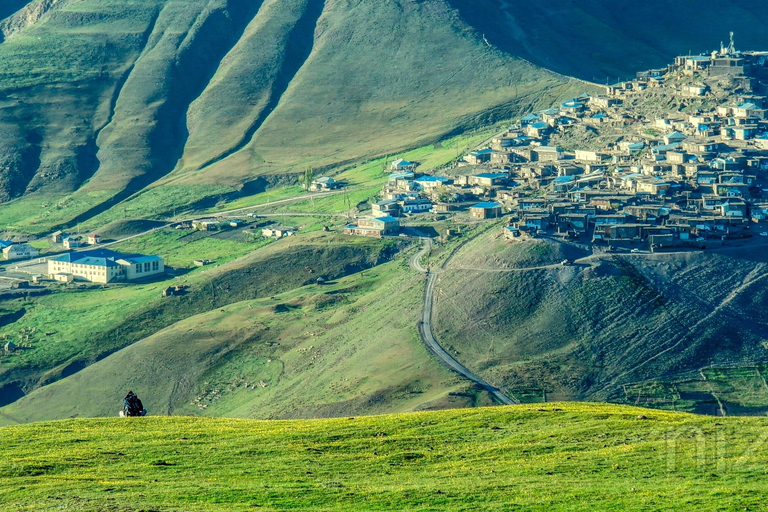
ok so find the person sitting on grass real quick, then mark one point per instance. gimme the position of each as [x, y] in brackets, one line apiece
[132, 406]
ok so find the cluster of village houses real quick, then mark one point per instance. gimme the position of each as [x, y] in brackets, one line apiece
[673, 180]
[676, 180]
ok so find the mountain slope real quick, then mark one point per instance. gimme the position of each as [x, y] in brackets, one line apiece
[599, 39]
[100, 99]
[213, 91]
[582, 332]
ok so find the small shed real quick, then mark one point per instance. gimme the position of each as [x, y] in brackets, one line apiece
[9, 347]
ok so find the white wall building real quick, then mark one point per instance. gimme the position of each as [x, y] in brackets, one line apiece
[104, 266]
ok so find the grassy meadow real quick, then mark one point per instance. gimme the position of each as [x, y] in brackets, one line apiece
[254, 358]
[532, 457]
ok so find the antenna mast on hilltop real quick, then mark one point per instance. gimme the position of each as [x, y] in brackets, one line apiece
[732, 46]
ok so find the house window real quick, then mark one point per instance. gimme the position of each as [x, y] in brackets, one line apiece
[138, 268]
[146, 267]
[155, 266]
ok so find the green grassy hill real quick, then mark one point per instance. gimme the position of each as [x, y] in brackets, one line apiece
[347, 347]
[586, 331]
[71, 328]
[557, 457]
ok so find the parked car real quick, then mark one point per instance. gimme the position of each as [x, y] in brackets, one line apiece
[764, 233]
[635, 250]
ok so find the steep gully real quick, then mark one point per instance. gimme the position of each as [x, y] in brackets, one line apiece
[194, 67]
[297, 50]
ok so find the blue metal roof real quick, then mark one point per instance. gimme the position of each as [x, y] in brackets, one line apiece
[75, 257]
[487, 204]
[103, 258]
[425, 179]
[142, 259]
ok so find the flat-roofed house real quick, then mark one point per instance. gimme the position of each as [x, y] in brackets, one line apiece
[486, 210]
[375, 227]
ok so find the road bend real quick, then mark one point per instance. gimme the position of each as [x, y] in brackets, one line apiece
[428, 337]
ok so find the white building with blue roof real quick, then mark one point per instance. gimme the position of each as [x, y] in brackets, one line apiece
[104, 266]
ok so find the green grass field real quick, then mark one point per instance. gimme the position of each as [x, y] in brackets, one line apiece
[255, 358]
[733, 391]
[531, 457]
[180, 248]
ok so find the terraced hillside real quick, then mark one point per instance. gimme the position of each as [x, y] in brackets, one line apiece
[557, 457]
[539, 329]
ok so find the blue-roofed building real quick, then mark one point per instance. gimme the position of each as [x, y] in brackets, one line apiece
[5, 243]
[673, 137]
[402, 165]
[104, 266]
[479, 157]
[530, 118]
[572, 106]
[537, 129]
[663, 148]
[563, 183]
[486, 210]
[407, 176]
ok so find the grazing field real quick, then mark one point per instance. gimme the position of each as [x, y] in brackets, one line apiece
[347, 347]
[739, 390]
[65, 331]
[180, 248]
[531, 457]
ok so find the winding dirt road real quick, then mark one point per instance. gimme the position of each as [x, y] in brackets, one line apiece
[428, 337]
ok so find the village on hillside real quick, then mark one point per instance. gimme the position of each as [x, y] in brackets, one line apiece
[675, 157]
